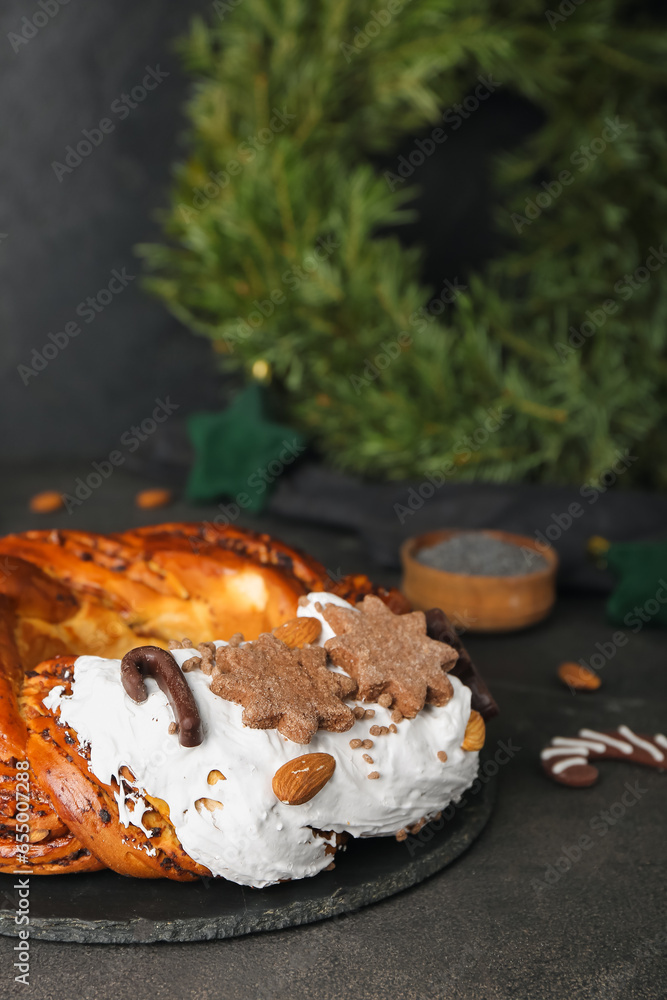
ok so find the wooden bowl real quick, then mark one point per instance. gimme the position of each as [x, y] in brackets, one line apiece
[480, 603]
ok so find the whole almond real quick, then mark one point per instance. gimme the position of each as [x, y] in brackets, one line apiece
[578, 677]
[298, 632]
[300, 779]
[475, 733]
[47, 502]
[148, 499]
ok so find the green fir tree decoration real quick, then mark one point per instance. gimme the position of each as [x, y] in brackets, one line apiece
[554, 360]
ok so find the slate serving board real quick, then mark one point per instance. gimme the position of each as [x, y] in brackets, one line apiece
[106, 908]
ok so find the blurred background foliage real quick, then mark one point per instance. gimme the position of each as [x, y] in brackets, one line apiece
[280, 242]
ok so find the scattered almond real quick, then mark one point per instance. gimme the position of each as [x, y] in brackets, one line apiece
[578, 677]
[47, 502]
[300, 779]
[298, 632]
[210, 804]
[475, 733]
[215, 776]
[149, 499]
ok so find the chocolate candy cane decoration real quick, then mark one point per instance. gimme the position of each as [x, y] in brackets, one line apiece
[566, 759]
[160, 664]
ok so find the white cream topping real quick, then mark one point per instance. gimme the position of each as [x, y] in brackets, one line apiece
[254, 839]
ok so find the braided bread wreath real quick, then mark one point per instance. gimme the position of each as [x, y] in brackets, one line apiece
[73, 603]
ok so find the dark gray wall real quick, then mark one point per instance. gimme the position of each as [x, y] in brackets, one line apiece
[64, 238]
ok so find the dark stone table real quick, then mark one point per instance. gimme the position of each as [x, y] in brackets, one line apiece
[507, 921]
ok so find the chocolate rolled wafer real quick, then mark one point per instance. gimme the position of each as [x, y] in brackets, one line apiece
[438, 626]
[566, 759]
[160, 664]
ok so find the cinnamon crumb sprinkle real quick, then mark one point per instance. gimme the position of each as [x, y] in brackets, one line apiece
[236, 639]
[173, 728]
[442, 756]
[174, 644]
[369, 713]
[392, 728]
[375, 730]
[192, 664]
[358, 712]
[207, 650]
[186, 644]
[367, 744]
[367, 757]
[396, 715]
[385, 700]
[373, 775]
[384, 730]
[402, 834]
[355, 744]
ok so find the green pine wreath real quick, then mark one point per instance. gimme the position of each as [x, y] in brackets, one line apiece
[271, 245]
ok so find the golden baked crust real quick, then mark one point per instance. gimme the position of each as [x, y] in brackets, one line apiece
[68, 593]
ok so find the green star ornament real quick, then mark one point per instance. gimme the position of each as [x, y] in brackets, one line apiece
[239, 453]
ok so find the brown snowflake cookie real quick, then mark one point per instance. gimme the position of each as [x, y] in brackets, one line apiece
[291, 690]
[388, 653]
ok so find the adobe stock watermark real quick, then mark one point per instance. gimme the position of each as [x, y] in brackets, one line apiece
[224, 7]
[600, 825]
[379, 19]
[120, 108]
[591, 493]
[454, 117]
[582, 158]
[505, 751]
[566, 8]
[31, 26]
[419, 320]
[292, 279]
[22, 885]
[624, 288]
[463, 451]
[246, 152]
[130, 439]
[373, 367]
[88, 310]
[257, 484]
[634, 621]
